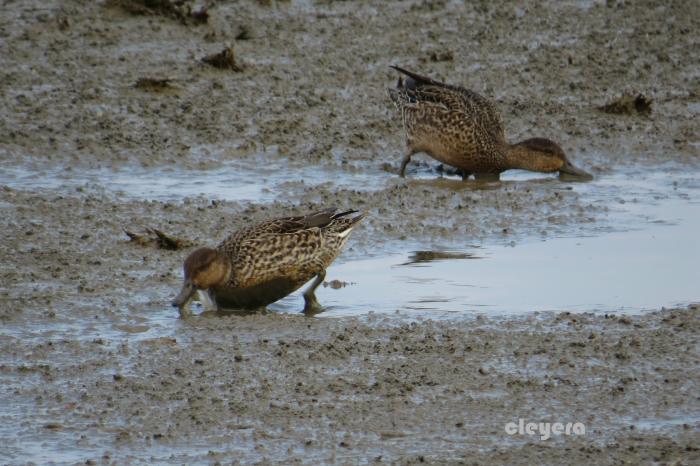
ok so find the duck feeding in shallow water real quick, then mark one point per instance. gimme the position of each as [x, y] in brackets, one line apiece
[461, 128]
[262, 263]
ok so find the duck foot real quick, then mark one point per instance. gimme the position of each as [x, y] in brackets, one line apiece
[404, 162]
[311, 304]
[452, 171]
[185, 311]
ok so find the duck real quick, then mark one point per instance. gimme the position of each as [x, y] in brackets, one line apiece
[264, 262]
[463, 129]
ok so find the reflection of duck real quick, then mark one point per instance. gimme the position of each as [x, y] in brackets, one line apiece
[260, 264]
[461, 128]
[422, 257]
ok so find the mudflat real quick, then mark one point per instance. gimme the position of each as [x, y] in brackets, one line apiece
[97, 368]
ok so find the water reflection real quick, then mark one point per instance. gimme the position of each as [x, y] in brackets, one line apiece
[422, 257]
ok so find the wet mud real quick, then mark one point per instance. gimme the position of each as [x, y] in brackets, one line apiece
[291, 389]
[96, 368]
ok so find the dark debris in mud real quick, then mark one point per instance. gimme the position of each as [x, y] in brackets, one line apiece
[154, 84]
[179, 10]
[244, 33]
[628, 104]
[153, 237]
[441, 55]
[225, 60]
[268, 3]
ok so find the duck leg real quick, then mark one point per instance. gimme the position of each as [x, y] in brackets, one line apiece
[404, 162]
[311, 304]
[454, 171]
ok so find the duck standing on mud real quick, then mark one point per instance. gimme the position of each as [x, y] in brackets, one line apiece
[461, 128]
[260, 264]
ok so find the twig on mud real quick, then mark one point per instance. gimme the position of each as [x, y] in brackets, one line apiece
[155, 237]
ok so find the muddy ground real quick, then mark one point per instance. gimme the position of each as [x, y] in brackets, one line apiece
[89, 375]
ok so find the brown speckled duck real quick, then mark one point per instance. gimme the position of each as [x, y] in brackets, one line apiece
[260, 264]
[461, 128]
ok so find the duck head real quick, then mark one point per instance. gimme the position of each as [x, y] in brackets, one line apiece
[204, 268]
[544, 155]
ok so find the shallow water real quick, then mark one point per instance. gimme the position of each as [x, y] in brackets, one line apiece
[644, 258]
[647, 260]
[645, 268]
[232, 180]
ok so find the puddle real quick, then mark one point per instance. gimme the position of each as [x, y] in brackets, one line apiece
[688, 420]
[233, 180]
[647, 268]
[652, 266]
[267, 176]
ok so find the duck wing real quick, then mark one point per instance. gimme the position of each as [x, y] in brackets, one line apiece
[419, 90]
[294, 248]
[319, 219]
[295, 256]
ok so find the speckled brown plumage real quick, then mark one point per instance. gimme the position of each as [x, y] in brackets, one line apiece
[262, 263]
[463, 129]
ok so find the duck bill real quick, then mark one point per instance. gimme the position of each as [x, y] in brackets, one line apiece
[183, 298]
[568, 170]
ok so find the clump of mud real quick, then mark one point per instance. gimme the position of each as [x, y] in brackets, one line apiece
[269, 3]
[153, 237]
[178, 10]
[244, 32]
[225, 60]
[628, 104]
[154, 84]
[441, 55]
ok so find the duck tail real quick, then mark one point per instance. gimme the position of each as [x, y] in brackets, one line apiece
[325, 217]
[408, 87]
[353, 220]
[415, 79]
[319, 219]
[344, 225]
